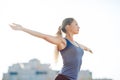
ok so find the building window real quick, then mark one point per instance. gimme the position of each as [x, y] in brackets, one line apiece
[13, 73]
[40, 72]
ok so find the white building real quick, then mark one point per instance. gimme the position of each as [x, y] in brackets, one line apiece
[85, 75]
[30, 71]
[102, 79]
[34, 70]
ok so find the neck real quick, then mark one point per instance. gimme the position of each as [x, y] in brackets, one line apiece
[70, 37]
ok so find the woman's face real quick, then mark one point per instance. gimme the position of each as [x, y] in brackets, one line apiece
[74, 28]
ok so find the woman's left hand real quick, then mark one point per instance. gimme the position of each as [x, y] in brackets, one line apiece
[90, 51]
[87, 49]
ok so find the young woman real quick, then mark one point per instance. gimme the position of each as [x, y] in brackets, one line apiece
[70, 50]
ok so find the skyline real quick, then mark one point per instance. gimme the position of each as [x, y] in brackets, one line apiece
[99, 30]
[35, 63]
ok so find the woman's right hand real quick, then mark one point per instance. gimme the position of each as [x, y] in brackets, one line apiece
[15, 26]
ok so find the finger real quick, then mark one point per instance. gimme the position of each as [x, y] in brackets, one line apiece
[14, 23]
[90, 51]
[10, 25]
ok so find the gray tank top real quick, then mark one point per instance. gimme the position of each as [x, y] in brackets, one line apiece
[72, 60]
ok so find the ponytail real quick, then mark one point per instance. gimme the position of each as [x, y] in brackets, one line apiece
[62, 28]
[59, 32]
[56, 53]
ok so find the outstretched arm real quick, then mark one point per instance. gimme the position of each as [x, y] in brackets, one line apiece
[52, 39]
[86, 48]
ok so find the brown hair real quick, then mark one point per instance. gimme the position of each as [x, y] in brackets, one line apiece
[62, 28]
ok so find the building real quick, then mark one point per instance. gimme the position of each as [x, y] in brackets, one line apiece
[32, 70]
[102, 79]
[85, 75]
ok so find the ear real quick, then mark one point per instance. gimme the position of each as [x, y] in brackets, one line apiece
[67, 27]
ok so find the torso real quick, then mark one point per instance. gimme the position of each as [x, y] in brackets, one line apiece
[72, 60]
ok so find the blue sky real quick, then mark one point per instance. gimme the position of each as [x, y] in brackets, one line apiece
[99, 22]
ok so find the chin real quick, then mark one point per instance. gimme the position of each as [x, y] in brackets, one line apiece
[76, 33]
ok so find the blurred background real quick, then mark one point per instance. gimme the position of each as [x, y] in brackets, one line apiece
[99, 22]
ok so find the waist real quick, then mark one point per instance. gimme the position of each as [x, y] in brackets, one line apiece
[62, 77]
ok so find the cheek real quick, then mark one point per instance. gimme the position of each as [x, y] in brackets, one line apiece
[76, 30]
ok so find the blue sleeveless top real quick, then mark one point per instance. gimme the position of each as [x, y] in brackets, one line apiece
[72, 60]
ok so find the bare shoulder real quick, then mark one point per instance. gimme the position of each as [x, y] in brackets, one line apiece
[62, 44]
